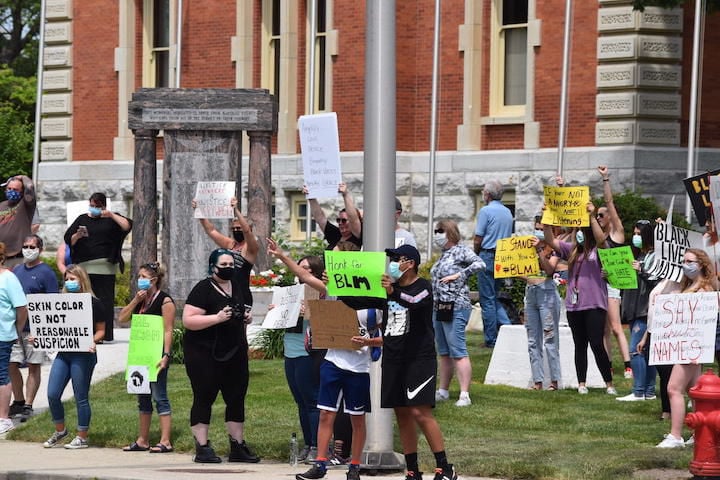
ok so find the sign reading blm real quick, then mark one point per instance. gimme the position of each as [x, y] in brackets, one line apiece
[61, 321]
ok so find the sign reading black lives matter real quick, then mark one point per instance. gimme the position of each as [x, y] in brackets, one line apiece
[670, 245]
[61, 321]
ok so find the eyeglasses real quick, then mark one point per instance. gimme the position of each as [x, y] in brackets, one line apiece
[439, 230]
[31, 247]
[342, 220]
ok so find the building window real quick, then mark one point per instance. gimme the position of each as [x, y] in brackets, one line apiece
[508, 58]
[298, 217]
[156, 39]
[508, 199]
[271, 54]
[320, 68]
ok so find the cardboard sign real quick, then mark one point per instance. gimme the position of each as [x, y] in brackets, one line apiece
[516, 257]
[617, 262]
[287, 302]
[309, 294]
[61, 321]
[670, 245]
[320, 148]
[566, 206]
[698, 189]
[355, 274]
[213, 200]
[333, 325]
[146, 344]
[684, 328]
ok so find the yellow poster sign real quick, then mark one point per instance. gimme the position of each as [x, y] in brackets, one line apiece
[566, 206]
[516, 257]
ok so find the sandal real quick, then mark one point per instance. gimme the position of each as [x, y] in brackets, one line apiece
[161, 448]
[553, 387]
[134, 447]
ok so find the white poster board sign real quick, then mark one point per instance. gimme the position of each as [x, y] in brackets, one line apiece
[138, 381]
[683, 329]
[670, 245]
[77, 208]
[287, 302]
[61, 321]
[320, 149]
[213, 200]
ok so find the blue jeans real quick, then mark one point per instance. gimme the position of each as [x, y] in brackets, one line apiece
[78, 367]
[643, 374]
[301, 378]
[493, 312]
[450, 336]
[542, 318]
[158, 393]
[5, 349]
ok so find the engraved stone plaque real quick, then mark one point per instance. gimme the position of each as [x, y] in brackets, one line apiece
[200, 115]
[58, 32]
[659, 47]
[659, 104]
[661, 19]
[615, 104]
[58, 9]
[616, 75]
[616, 19]
[57, 103]
[659, 75]
[616, 47]
[665, 133]
[57, 80]
[56, 127]
[58, 56]
[607, 133]
[56, 151]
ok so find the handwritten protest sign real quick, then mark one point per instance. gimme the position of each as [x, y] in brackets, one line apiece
[355, 274]
[566, 206]
[287, 307]
[146, 344]
[698, 191]
[516, 257]
[670, 245]
[617, 262]
[78, 207]
[61, 321]
[683, 329]
[213, 200]
[320, 150]
[333, 325]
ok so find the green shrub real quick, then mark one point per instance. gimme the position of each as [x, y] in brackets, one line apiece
[270, 342]
[177, 355]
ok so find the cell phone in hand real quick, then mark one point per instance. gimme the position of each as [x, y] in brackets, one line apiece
[83, 230]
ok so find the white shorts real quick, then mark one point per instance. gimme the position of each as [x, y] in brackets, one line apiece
[30, 355]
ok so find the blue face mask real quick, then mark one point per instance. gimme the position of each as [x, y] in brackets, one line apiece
[540, 234]
[637, 241]
[72, 286]
[13, 195]
[580, 237]
[394, 270]
[95, 211]
[144, 283]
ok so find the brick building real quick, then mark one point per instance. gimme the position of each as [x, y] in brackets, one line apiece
[499, 94]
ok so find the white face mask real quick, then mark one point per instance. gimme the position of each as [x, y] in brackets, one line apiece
[440, 240]
[30, 254]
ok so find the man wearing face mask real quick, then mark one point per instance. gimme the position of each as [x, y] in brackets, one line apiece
[16, 214]
[402, 236]
[95, 240]
[35, 276]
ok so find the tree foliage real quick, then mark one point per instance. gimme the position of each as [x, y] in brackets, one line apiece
[19, 31]
[17, 108]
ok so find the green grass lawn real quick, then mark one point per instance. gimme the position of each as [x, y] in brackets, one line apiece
[506, 433]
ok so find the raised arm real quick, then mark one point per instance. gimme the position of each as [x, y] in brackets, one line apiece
[303, 275]
[222, 241]
[595, 226]
[252, 247]
[617, 231]
[354, 222]
[316, 211]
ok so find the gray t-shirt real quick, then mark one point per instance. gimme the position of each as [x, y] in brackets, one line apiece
[403, 237]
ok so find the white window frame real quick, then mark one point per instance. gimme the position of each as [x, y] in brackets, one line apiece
[150, 51]
[298, 222]
[497, 65]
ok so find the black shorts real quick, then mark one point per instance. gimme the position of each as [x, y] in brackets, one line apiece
[410, 383]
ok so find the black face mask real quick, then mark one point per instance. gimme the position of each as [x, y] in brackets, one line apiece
[239, 236]
[225, 273]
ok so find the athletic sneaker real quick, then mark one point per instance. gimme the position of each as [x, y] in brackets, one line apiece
[630, 398]
[353, 473]
[441, 397]
[628, 373]
[671, 442]
[6, 425]
[447, 473]
[316, 471]
[55, 438]
[413, 475]
[463, 401]
[337, 460]
[27, 412]
[77, 443]
[650, 397]
[611, 391]
[690, 441]
[311, 455]
[583, 390]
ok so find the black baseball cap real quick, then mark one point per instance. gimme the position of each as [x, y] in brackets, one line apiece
[407, 251]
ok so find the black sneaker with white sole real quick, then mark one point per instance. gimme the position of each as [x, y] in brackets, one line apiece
[316, 471]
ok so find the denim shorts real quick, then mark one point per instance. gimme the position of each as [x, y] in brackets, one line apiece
[450, 336]
[5, 349]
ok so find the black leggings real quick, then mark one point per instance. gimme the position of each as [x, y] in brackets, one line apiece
[588, 327]
[104, 289]
[209, 376]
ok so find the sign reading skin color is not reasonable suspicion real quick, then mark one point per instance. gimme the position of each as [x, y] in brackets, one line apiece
[61, 321]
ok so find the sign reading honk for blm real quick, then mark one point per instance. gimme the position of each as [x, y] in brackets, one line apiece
[516, 257]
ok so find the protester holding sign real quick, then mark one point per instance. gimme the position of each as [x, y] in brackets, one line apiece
[216, 357]
[151, 300]
[77, 367]
[586, 299]
[699, 276]
[451, 308]
[635, 304]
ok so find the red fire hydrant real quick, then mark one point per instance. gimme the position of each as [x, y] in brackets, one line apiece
[705, 421]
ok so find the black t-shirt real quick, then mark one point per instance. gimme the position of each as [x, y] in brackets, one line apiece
[408, 332]
[243, 270]
[225, 339]
[333, 236]
[104, 240]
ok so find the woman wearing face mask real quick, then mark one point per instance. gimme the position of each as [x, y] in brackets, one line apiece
[216, 361]
[698, 276]
[150, 300]
[95, 240]
[449, 284]
[586, 299]
[76, 367]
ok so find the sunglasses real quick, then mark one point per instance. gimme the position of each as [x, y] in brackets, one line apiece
[31, 247]
[342, 220]
[439, 230]
[600, 215]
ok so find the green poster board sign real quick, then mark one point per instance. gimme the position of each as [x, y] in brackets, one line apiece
[146, 343]
[355, 274]
[617, 262]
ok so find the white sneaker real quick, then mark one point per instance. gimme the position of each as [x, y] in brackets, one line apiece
[628, 373]
[463, 401]
[6, 425]
[583, 390]
[55, 438]
[630, 398]
[77, 442]
[671, 442]
[611, 391]
[441, 397]
[650, 397]
[690, 441]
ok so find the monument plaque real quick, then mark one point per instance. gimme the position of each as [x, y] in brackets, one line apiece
[662, 133]
[661, 19]
[615, 104]
[57, 80]
[57, 103]
[659, 75]
[616, 75]
[659, 47]
[621, 47]
[616, 19]
[58, 32]
[58, 56]
[609, 133]
[659, 104]
[56, 127]
[58, 9]
[56, 151]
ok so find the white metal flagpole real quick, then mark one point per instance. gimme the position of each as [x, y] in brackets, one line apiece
[38, 95]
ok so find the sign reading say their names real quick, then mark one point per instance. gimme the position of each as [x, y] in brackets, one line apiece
[355, 274]
[320, 149]
[617, 262]
[333, 325]
[213, 200]
[516, 257]
[670, 245]
[61, 321]
[683, 329]
[146, 344]
[286, 301]
[566, 206]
